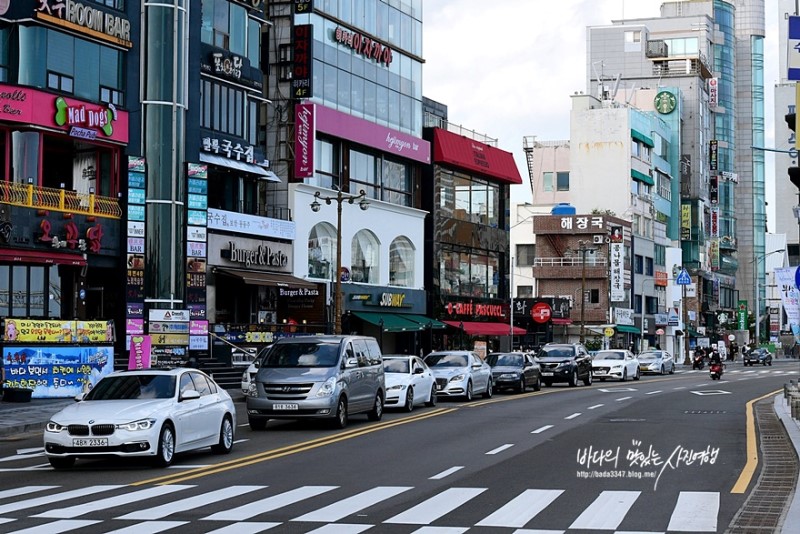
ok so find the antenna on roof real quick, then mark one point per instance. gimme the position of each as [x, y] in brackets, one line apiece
[616, 87]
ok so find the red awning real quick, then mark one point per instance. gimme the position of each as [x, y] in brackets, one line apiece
[41, 256]
[476, 328]
[474, 156]
[561, 321]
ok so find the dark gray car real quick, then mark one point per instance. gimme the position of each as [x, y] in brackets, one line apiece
[514, 370]
[565, 362]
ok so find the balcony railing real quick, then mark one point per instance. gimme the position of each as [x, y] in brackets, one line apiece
[28, 195]
[596, 260]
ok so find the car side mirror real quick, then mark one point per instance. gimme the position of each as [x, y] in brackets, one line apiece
[476, 365]
[418, 370]
[190, 394]
[351, 362]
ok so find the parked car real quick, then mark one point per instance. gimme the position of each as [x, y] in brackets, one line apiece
[656, 361]
[764, 357]
[460, 373]
[620, 364]
[409, 382]
[318, 377]
[144, 413]
[514, 370]
[565, 362]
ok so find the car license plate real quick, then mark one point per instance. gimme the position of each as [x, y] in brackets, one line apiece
[438, 387]
[285, 407]
[90, 442]
[547, 374]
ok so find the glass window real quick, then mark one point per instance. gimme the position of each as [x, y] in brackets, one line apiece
[547, 181]
[326, 160]
[237, 29]
[638, 264]
[525, 255]
[19, 291]
[254, 43]
[365, 258]
[648, 266]
[322, 251]
[562, 181]
[401, 263]
[524, 291]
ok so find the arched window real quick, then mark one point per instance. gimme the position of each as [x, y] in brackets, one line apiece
[401, 263]
[365, 255]
[322, 251]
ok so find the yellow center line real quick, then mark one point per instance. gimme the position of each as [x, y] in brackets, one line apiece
[752, 449]
[287, 450]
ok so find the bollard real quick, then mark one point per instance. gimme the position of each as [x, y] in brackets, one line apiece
[795, 407]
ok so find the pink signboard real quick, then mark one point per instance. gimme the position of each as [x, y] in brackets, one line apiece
[140, 353]
[304, 141]
[372, 135]
[84, 120]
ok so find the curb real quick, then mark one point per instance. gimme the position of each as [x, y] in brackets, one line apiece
[792, 427]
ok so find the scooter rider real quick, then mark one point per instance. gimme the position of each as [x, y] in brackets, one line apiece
[715, 357]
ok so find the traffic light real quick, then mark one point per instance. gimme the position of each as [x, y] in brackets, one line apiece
[794, 172]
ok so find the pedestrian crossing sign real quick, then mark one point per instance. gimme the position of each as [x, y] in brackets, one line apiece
[683, 278]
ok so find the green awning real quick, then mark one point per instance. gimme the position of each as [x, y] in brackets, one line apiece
[392, 322]
[639, 136]
[642, 177]
[424, 321]
[694, 333]
[627, 329]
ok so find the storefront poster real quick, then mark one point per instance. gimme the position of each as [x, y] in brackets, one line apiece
[27, 331]
[139, 353]
[617, 275]
[54, 371]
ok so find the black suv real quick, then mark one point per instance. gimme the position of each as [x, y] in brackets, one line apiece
[565, 362]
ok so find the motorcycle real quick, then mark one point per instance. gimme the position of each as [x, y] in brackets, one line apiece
[715, 370]
[698, 362]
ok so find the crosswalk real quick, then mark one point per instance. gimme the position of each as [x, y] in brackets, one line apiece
[249, 509]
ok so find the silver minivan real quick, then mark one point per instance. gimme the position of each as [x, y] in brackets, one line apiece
[317, 377]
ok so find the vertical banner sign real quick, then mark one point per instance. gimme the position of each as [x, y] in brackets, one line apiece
[714, 221]
[713, 92]
[304, 136]
[302, 61]
[617, 281]
[713, 254]
[713, 150]
[139, 353]
[713, 189]
[793, 50]
[134, 319]
[197, 254]
[790, 297]
[741, 315]
[686, 222]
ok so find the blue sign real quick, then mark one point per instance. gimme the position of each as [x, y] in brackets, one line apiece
[793, 49]
[55, 371]
[683, 278]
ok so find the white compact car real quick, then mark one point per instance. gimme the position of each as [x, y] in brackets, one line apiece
[656, 361]
[460, 373]
[619, 364]
[144, 413]
[409, 381]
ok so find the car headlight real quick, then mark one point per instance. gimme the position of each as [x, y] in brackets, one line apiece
[52, 426]
[398, 386]
[327, 388]
[133, 426]
[616, 366]
[564, 365]
[457, 378]
[245, 377]
[252, 390]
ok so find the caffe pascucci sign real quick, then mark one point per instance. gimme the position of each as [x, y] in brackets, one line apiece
[263, 256]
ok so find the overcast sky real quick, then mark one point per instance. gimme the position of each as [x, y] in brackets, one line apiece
[507, 68]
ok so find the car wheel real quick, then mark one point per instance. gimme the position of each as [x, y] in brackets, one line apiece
[468, 394]
[488, 393]
[770, 363]
[537, 386]
[636, 376]
[62, 463]
[225, 437]
[662, 369]
[409, 405]
[377, 409]
[432, 401]
[521, 387]
[588, 380]
[624, 375]
[257, 424]
[672, 370]
[340, 418]
[573, 379]
[166, 446]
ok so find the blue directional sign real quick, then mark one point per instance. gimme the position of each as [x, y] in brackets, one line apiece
[793, 49]
[683, 279]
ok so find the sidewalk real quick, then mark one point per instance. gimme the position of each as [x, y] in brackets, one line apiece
[792, 426]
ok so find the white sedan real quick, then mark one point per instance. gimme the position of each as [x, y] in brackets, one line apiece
[460, 373]
[145, 413]
[409, 381]
[620, 364]
[656, 361]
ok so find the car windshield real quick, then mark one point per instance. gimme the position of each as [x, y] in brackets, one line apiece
[609, 355]
[556, 352]
[446, 360]
[504, 360]
[132, 387]
[302, 354]
[395, 366]
[649, 356]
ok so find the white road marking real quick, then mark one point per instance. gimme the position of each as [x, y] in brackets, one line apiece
[653, 392]
[244, 528]
[341, 528]
[436, 507]
[531, 531]
[241, 440]
[56, 497]
[252, 509]
[21, 456]
[190, 503]
[447, 472]
[184, 466]
[149, 527]
[542, 429]
[56, 527]
[440, 530]
[623, 398]
[341, 509]
[111, 502]
[14, 492]
[680, 387]
[595, 406]
[695, 511]
[520, 509]
[607, 511]
[30, 450]
[501, 448]
[573, 416]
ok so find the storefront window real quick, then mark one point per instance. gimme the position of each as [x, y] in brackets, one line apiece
[25, 156]
[469, 274]
[469, 199]
[322, 251]
[401, 263]
[79, 166]
[365, 266]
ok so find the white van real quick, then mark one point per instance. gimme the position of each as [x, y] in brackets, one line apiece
[317, 377]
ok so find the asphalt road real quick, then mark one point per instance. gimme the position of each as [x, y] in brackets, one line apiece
[663, 454]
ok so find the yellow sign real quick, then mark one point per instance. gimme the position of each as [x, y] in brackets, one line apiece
[169, 339]
[609, 332]
[40, 331]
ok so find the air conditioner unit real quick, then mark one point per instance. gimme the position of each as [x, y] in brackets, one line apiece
[598, 239]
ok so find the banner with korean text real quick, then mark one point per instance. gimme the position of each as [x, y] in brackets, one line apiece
[790, 297]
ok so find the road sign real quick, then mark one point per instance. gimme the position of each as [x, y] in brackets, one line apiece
[793, 50]
[683, 278]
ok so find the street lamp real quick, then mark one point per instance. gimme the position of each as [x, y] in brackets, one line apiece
[583, 249]
[340, 197]
[757, 289]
